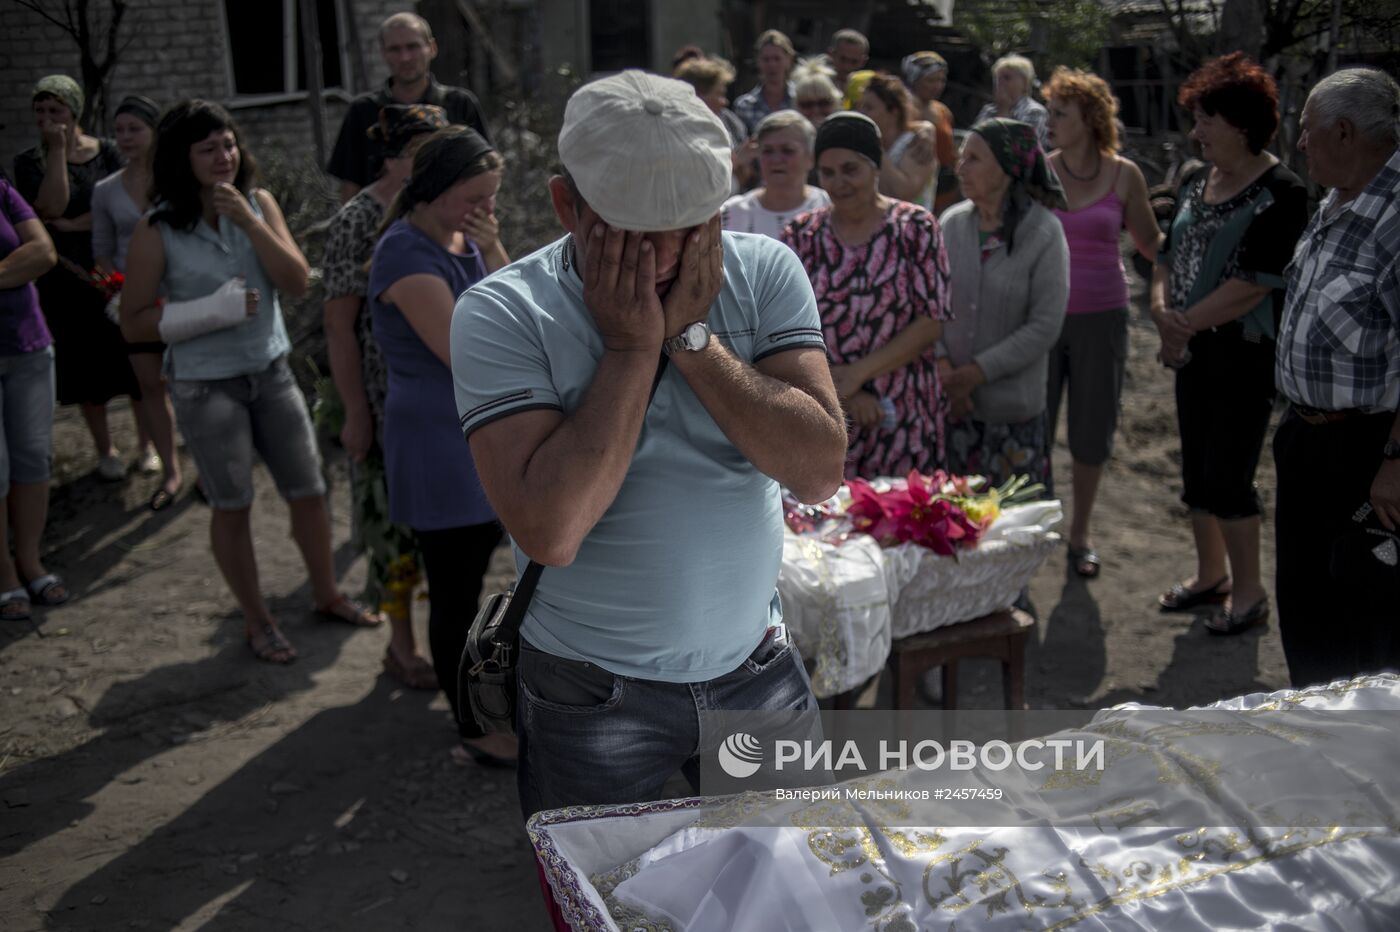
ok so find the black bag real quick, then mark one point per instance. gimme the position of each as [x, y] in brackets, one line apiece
[486, 674]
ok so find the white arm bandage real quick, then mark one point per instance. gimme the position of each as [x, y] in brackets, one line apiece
[184, 320]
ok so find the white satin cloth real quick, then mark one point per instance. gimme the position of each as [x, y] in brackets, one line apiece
[748, 862]
[844, 604]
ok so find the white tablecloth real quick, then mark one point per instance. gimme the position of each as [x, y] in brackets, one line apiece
[845, 603]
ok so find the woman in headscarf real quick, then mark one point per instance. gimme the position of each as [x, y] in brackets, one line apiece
[1010, 272]
[440, 238]
[57, 178]
[880, 275]
[118, 202]
[357, 366]
[926, 76]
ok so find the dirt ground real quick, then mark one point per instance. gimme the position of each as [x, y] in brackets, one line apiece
[153, 776]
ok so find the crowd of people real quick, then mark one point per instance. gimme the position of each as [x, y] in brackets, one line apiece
[744, 296]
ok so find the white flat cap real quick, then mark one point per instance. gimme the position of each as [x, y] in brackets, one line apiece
[645, 152]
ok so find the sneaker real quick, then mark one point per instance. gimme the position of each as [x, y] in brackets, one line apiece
[111, 468]
[149, 464]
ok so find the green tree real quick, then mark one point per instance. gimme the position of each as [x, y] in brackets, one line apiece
[1063, 32]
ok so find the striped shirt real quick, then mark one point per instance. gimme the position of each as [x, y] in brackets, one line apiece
[1339, 345]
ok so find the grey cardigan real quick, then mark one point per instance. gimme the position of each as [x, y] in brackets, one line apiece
[1007, 311]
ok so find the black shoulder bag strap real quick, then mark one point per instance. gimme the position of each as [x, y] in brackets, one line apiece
[525, 586]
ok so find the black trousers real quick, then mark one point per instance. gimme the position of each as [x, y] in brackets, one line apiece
[1224, 397]
[1331, 629]
[455, 561]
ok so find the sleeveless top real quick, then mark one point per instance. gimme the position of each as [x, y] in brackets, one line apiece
[197, 263]
[1096, 278]
[925, 197]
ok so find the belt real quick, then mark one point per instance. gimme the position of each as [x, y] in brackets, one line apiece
[1318, 416]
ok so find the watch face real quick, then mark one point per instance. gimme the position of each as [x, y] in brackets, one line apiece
[695, 337]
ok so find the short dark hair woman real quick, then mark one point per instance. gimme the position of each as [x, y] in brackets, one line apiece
[220, 248]
[1216, 302]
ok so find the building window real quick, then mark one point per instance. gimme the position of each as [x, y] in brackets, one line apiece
[621, 31]
[265, 49]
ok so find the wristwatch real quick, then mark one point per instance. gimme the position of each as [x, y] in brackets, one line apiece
[1391, 450]
[693, 338]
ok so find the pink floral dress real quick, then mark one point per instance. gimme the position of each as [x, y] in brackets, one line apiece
[866, 296]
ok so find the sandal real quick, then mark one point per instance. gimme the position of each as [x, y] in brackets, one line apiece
[272, 645]
[47, 590]
[1180, 598]
[15, 605]
[162, 499]
[347, 611]
[416, 674]
[1085, 562]
[1231, 622]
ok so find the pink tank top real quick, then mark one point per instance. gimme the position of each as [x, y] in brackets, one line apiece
[1096, 278]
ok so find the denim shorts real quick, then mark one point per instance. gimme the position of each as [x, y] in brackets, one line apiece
[225, 420]
[26, 406]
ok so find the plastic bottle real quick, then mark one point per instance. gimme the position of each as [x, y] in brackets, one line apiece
[891, 420]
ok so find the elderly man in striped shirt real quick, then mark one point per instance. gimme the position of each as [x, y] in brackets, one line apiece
[1338, 447]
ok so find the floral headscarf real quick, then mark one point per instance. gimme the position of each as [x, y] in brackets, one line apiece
[400, 123]
[1018, 152]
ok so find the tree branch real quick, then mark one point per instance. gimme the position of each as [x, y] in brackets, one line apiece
[36, 8]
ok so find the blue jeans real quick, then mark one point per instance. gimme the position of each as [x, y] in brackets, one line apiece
[591, 737]
[26, 417]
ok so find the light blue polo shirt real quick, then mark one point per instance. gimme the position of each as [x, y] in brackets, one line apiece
[678, 580]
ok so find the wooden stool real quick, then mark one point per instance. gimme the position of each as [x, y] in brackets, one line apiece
[1000, 635]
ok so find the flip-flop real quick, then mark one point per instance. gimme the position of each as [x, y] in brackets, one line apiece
[1085, 562]
[273, 643]
[348, 612]
[16, 597]
[40, 590]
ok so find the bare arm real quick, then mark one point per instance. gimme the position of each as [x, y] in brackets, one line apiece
[1233, 299]
[145, 267]
[272, 241]
[52, 199]
[900, 351]
[907, 178]
[33, 257]
[1137, 214]
[426, 303]
[343, 349]
[551, 478]
[781, 413]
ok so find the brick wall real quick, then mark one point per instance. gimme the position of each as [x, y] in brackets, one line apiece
[177, 50]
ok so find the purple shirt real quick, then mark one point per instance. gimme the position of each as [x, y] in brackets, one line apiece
[431, 477]
[22, 327]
